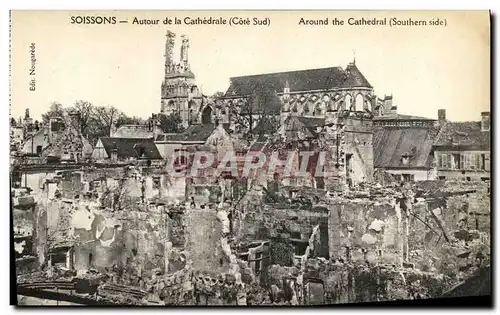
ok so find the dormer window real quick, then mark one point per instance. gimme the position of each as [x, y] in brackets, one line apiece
[405, 159]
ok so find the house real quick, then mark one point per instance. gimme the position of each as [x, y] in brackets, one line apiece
[125, 149]
[60, 140]
[405, 152]
[402, 144]
[168, 144]
[462, 149]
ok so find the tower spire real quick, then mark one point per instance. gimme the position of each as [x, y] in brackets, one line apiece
[354, 56]
[184, 50]
[169, 47]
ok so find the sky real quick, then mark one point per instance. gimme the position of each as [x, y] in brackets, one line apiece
[425, 68]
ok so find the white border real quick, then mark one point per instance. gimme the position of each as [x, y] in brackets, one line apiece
[200, 5]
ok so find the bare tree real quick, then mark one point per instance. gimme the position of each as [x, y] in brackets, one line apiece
[84, 109]
[105, 117]
[260, 111]
[56, 109]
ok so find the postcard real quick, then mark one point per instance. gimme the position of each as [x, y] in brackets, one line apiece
[250, 158]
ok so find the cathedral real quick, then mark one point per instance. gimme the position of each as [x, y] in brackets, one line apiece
[335, 105]
[306, 93]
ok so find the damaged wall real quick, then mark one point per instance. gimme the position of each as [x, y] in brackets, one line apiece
[203, 233]
[351, 283]
[358, 144]
[363, 229]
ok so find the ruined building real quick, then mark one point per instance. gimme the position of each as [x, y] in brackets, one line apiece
[123, 230]
[330, 106]
[60, 140]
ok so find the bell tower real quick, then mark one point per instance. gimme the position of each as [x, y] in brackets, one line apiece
[179, 93]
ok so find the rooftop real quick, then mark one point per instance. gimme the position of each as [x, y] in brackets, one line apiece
[401, 117]
[192, 133]
[464, 134]
[300, 80]
[131, 148]
[390, 145]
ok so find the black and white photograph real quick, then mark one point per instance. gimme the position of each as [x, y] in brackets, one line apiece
[250, 158]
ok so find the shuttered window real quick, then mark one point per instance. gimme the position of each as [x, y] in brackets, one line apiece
[487, 162]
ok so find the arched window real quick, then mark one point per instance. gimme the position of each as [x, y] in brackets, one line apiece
[348, 102]
[359, 103]
[306, 108]
[206, 117]
[318, 111]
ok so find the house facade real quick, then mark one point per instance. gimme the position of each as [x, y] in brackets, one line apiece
[462, 150]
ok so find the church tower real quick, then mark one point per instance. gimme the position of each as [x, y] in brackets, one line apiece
[179, 93]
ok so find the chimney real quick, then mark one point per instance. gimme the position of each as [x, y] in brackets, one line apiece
[114, 153]
[394, 109]
[485, 121]
[387, 105]
[441, 116]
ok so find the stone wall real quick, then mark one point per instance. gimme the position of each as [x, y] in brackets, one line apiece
[203, 235]
[363, 229]
[113, 218]
[351, 283]
[358, 143]
[287, 223]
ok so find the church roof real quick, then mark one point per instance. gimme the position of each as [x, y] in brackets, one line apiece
[131, 148]
[464, 134]
[354, 77]
[301, 80]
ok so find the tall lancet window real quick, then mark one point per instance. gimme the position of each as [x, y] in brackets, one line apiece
[359, 103]
[348, 102]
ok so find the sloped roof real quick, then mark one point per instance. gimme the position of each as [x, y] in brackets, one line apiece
[301, 80]
[307, 126]
[390, 144]
[265, 126]
[354, 77]
[193, 133]
[131, 148]
[464, 134]
[133, 131]
[312, 122]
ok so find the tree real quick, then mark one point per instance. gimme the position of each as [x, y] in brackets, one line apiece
[171, 123]
[13, 122]
[262, 106]
[126, 120]
[56, 109]
[105, 117]
[84, 109]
